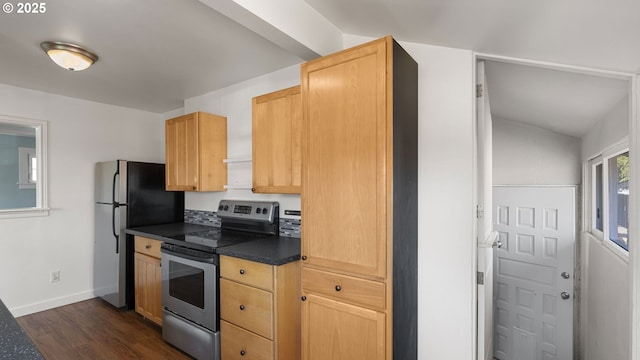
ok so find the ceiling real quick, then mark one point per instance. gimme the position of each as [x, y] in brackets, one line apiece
[153, 53]
[583, 33]
[156, 53]
[565, 102]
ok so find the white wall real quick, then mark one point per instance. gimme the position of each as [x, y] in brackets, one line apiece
[234, 102]
[610, 130]
[446, 242]
[528, 155]
[80, 134]
[608, 307]
[605, 289]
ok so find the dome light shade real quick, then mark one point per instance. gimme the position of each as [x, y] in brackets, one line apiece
[69, 56]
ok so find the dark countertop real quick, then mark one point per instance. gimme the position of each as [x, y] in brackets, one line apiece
[15, 344]
[164, 232]
[274, 250]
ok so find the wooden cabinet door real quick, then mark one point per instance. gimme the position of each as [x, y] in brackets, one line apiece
[148, 287]
[345, 142]
[182, 153]
[339, 331]
[277, 131]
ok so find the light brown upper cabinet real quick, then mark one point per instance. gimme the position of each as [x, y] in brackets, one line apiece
[359, 200]
[196, 145]
[277, 131]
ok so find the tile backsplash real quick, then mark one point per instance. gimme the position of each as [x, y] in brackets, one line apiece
[201, 217]
[288, 227]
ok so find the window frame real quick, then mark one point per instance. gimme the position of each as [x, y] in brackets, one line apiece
[42, 198]
[603, 159]
[592, 164]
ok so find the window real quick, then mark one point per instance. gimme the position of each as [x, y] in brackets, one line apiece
[618, 197]
[609, 174]
[23, 145]
[598, 197]
[27, 168]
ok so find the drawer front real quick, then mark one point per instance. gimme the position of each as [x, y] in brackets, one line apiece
[148, 246]
[247, 307]
[349, 289]
[237, 343]
[247, 272]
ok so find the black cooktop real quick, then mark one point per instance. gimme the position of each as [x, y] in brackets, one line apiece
[210, 240]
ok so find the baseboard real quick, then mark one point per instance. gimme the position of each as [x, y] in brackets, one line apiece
[51, 303]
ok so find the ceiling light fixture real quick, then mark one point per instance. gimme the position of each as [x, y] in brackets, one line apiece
[69, 56]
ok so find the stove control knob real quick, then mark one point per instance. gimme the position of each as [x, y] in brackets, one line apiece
[257, 210]
[226, 207]
[220, 207]
[264, 210]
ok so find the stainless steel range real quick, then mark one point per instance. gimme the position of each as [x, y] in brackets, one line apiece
[190, 274]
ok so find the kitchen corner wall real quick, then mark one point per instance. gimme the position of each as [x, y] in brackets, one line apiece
[81, 133]
[234, 102]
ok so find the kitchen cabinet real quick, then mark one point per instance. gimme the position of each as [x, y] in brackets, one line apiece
[277, 131]
[196, 145]
[359, 200]
[340, 331]
[259, 310]
[148, 279]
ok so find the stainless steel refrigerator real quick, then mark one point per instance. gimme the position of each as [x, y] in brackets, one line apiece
[127, 194]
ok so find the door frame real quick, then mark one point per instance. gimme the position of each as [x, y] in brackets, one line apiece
[634, 195]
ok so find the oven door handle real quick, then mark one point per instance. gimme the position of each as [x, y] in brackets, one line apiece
[209, 258]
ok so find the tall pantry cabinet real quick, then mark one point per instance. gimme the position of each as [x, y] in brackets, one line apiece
[359, 200]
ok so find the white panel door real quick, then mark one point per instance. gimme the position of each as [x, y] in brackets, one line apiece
[534, 271]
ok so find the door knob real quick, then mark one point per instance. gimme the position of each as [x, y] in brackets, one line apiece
[497, 244]
[565, 275]
[565, 295]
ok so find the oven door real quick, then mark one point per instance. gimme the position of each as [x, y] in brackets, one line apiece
[190, 285]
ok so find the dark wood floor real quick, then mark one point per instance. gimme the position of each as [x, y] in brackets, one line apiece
[93, 329]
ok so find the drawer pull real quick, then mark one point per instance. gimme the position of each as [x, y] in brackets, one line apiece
[304, 257]
[241, 307]
[148, 246]
[304, 298]
[338, 288]
[242, 353]
[241, 271]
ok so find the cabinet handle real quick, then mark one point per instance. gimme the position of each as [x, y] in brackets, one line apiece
[242, 353]
[304, 257]
[241, 271]
[338, 288]
[148, 246]
[304, 298]
[253, 189]
[241, 307]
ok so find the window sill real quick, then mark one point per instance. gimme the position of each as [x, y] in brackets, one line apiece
[22, 213]
[26, 186]
[611, 246]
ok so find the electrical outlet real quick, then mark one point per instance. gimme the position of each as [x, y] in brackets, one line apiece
[55, 276]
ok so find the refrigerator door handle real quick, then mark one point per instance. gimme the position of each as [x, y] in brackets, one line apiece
[113, 227]
[113, 186]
